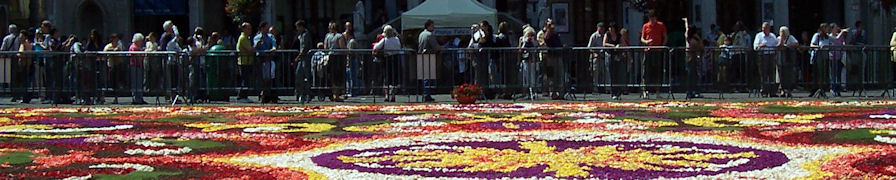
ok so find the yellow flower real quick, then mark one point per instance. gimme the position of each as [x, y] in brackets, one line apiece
[744, 122]
[29, 114]
[25, 126]
[510, 126]
[571, 162]
[101, 114]
[651, 123]
[371, 128]
[883, 131]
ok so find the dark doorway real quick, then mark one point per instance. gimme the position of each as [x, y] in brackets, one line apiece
[4, 17]
[805, 15]
[670, 13]
[729, 12]
[149, 17]
[91, 17]
[592, 12]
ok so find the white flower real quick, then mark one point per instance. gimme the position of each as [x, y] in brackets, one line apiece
[596, 120]
[153, 152]
[136, 167]
[79, 177]
[888, 140]
[883, 116]
[263, 129]
[761, 122]
[149, 144]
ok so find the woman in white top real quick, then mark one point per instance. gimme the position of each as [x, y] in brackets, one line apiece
[152, 64]
[786, 61]
[893, 45]
[838, 38]
[819, 41]
[390, 46]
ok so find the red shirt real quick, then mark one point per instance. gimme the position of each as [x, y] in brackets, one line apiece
[655, 31]
[136, 59]
[378, 38]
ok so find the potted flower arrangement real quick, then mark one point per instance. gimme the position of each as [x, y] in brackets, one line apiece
[244, 10]
[466, 93]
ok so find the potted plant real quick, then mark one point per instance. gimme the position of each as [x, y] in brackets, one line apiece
[466, 93]
[244, 10]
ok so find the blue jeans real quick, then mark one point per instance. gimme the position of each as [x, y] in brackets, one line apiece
[351, 74]
[836, 68]
[427, 83]
[137, 83]
[303, 71]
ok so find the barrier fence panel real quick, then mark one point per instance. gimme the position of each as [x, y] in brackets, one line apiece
[504, 73]
[358, 72]
[617, 70]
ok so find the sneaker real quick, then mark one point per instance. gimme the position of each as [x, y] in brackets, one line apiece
[644, 95]
[615, 97]
[429, 99]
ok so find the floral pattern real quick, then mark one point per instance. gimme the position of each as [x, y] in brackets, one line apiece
[589, 140]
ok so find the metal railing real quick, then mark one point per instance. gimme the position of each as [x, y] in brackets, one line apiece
[513, 73]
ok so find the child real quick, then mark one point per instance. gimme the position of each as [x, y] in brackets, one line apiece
[725, 59]
[319, 65]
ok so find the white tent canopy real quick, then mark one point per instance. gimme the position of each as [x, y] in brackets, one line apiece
[448, 14]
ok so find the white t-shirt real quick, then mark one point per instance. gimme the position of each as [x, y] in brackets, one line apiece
[818, 41]
[474, 42]
[390, 44]
[769, 39]
[596, 40]
[790, 40]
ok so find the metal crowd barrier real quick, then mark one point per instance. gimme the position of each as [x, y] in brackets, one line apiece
[517, 73]
[736, 69]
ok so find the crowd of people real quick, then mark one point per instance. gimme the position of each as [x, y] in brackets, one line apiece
[539, 71]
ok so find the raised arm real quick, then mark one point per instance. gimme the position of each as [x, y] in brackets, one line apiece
[893, 40]
[686, 28]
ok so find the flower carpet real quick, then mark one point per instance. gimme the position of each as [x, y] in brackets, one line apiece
[598, 140]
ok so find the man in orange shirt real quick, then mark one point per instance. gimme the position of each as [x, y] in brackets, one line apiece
[653, 33]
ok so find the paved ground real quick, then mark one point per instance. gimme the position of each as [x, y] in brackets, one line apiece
[446, 99]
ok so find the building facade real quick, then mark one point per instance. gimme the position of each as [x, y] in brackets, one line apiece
[578, 17]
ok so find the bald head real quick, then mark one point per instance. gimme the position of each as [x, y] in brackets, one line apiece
[246, 28]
